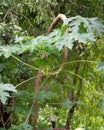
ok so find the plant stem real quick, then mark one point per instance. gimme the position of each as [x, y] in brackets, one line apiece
[30, 66]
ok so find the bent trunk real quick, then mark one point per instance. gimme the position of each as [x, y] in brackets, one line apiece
[39, 78]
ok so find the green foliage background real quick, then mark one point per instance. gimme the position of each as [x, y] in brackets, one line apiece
[21, 21]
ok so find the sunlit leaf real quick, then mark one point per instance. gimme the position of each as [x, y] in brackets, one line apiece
[4, 91]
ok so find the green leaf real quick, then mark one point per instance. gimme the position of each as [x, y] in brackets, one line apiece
[63, 28]
[79, 102]
[57, 32]
[84, 29]
[44, 96]
[67, 104]
[96, 24]
[100, 66]
[8, 50]
[23, 126]
[81, 30]
[84, 37]
[5, 50]
[27, 126]
[19, 39]
[4, 91]
[66, 40]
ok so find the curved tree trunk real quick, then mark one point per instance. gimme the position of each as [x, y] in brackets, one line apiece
[40, 75]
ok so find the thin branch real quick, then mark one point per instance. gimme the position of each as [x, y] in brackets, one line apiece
[85, 81]
[57, 72]
[2, 120]
[25, 81]
[7, 12]
[25, 63]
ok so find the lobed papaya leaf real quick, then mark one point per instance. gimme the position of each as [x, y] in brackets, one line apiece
[4, 91]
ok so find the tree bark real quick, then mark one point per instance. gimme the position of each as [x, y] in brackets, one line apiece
[72, 97]
[70, 114]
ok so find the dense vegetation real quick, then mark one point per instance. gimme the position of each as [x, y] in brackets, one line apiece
[51, 71]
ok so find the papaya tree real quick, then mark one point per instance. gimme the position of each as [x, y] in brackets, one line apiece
[62, 64]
